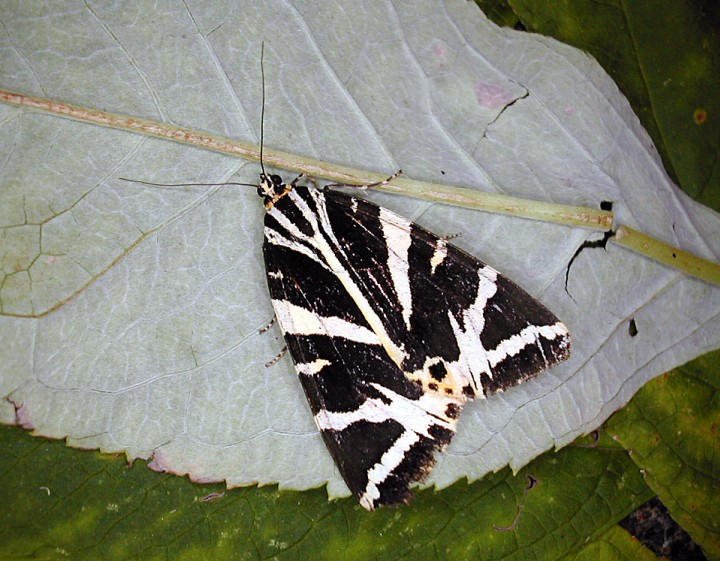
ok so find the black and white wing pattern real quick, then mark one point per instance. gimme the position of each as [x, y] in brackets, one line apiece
[391, 330]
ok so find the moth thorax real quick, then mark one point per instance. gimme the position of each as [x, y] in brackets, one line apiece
[272, 189]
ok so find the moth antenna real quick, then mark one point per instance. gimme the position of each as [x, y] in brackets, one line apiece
[152, 184]
[262, 110]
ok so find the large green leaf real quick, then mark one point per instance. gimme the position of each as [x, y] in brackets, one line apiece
[88, 506]
[671, 430]
[614, 545]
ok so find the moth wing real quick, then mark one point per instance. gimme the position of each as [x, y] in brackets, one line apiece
[381, 427]
[464, 326]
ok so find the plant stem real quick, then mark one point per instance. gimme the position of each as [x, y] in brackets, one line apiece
[490, 202]
[667, 254]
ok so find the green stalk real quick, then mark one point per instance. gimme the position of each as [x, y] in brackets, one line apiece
[537, 210]
[568, 215]
[667, 254]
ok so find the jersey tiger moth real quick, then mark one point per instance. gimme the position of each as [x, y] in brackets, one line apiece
[391, 330]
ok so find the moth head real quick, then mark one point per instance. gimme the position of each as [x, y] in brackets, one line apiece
[271, 188]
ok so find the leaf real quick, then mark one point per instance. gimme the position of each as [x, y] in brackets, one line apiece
[614, 545]
[157, 295]
[100, 508]
[671, 429]
[663, 56]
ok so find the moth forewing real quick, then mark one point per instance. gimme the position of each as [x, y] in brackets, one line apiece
[391, 329]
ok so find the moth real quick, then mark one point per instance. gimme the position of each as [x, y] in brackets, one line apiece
[391, 330]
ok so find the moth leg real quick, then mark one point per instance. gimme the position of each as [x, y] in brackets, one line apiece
[302, 176]
[277, 358]
[307, 176]
[281, 353]
[451, 236]
[268, 326]
[385, 181]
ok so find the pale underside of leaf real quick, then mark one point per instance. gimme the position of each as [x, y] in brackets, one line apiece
[159, 354]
